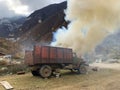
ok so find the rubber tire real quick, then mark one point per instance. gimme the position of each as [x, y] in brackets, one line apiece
[72, 70]
[35, 73]
[45, 71]
[82, 69]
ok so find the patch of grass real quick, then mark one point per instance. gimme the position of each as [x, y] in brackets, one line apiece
[13, 69]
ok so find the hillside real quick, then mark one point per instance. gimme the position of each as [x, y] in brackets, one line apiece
[37, 27]
[110, 47]
[41, 15]
[42, 23]
[9, 47]
[9, 26]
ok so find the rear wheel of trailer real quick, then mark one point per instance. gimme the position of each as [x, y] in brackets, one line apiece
[45, 71]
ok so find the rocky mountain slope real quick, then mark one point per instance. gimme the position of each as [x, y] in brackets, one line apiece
[9, 26]
[17, 26]
[42, 23]
[35, 28]
[42, 14]
[8, 47]
[110, 46]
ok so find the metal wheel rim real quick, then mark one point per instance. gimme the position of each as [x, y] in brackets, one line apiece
[45, 71]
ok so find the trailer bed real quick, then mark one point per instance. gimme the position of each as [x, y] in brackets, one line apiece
[48, 54]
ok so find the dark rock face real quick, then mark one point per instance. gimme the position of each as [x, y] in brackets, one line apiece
[42, 15]
[42, 23]
[38, 26]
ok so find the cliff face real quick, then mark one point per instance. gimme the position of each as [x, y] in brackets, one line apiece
[42, 23]
[19, 25]
[36, 28]
[42, 15]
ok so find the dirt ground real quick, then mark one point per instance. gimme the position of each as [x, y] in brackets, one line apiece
[103, 79]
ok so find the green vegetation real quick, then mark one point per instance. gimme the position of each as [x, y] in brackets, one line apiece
[6, 68]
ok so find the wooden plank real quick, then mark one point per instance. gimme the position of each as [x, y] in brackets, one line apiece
[6, 85]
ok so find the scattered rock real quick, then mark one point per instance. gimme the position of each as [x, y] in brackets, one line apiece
[20, 72]
[4, 68]
[95, 69]
[58, 75]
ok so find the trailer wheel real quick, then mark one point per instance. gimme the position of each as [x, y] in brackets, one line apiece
[35, 73]
[82, 69]
[45, 71]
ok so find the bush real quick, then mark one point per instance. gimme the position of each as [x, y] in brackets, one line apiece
[3, 63]
[13, 69]
[16, 67]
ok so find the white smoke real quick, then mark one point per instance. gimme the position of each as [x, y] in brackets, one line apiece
[91, 22]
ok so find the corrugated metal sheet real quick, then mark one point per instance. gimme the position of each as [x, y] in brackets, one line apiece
[37, 54]
[29, 58]
[45, 55]
[60, 55]
[48, 54]
[53, 54]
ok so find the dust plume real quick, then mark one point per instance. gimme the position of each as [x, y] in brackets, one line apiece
[91, 21]
[114, 66]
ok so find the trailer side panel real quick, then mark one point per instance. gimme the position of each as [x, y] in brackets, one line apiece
[50, 55]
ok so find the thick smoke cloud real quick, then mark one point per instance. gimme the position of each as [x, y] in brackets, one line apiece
[91, 22]
[9, 8]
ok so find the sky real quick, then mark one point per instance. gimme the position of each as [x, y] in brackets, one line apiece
[10, 8]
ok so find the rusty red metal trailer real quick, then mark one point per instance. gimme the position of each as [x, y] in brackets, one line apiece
[44, 60]
[47, 54]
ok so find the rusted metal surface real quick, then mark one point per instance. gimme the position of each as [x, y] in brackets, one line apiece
[37, 54]
[45, 54]
[60, 55]
[48, 54]
[29, 58]
[68, 54]
[20, 72]
[53, 55]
